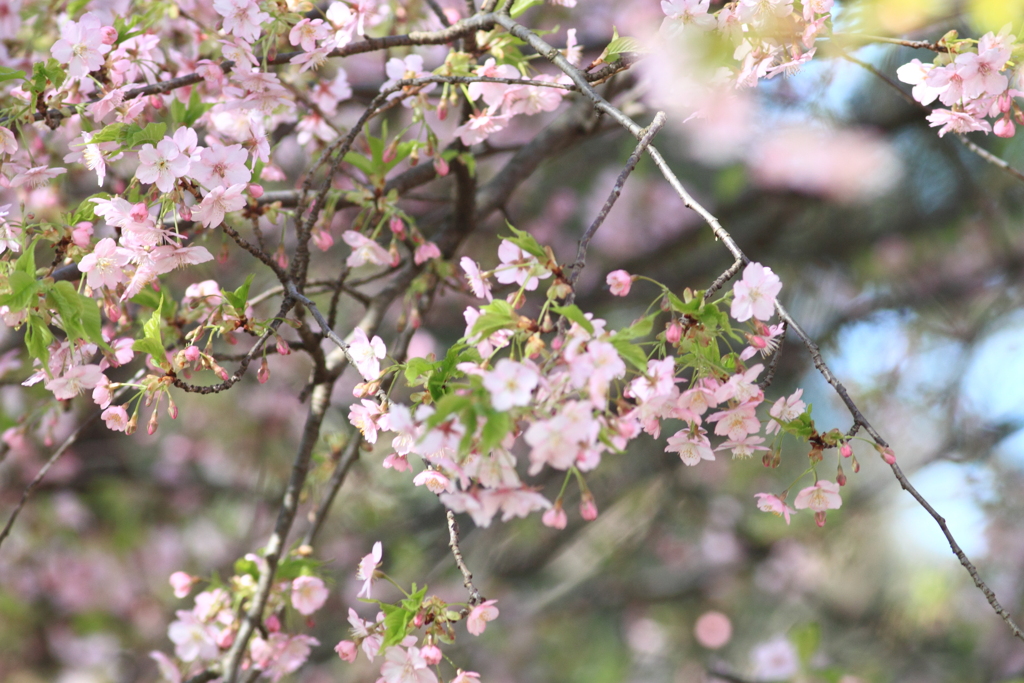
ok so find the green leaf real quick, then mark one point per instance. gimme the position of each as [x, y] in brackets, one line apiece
[79, 314]
[86, 210]
[620, 44]
[24, 287]
[9, 74]
[26, 263]
[806, 639]
[497, 315]
[415, 368]
[152, 134]
[574, 314]
[526, 242]
[449, 404]
[360, 162]
[520, 6]
[641, 328]
[396, 624]
[37, 340]
[152, 343]
[497, 426]
[114, 132]
[631, 353]
[240, 297]
[415, 600]
[187, 115]
[294, 567]
[244, 566]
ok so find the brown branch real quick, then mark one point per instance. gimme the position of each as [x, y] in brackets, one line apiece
[729, 274]
[348, 457]
[916, 44]
[990, 157]
[453, 542]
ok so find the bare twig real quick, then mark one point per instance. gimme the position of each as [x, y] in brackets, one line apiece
[729, 273]
[68, 442]
[916, 44]
[453, 542]
[634, 159]
[348, 457]
[990, 157]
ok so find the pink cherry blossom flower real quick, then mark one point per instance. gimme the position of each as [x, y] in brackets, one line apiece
[181, 583]
[786, 409]
[37, 176]
[367, 569]
[280, 654]
[346, 649]
[511, 384]
[466, 677]
[769, 502]
[161, 165]
[744, 448]
[308, 594]
[476, 622]
[307, 32]
[754, 295]
[192, 638]
[366, 353]
[713, 630]
[690, 12]
[224, 166]
[481, 288]
[479, 127]
[105, 265]
[981, 71]
[81, 46]
[405, 666]
[72, 382]
[692, 446]
[405, 69]
[431, 654]
[242, 18]
[914, 72]
[956, 122]
[736, 423]
[619, 281]
[168, 669]
[425, 252]
[364, 250]
[366, 418]
[824, 495]
[116, 418]
[435, 481]
[218, 202]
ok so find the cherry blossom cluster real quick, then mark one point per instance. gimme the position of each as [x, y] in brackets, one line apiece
[571, 393]
[203, 635]
[975, 79]
[771, 37]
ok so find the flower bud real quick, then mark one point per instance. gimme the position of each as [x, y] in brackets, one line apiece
[441, 166]
[674, 332]
[431, 654]
[887, 455]
[840, 476]
[263, 374]
[555, 517]
[255, 191]
[846, 450]
[856, 465]
[108, 35]
[819, 518]
[418, 621]
[225, 638]
[397, 227]
[156, 102]
[154, 422]
[346, 649]
[588, 508]
[1004, 128]
[282, 346]
[272, 623]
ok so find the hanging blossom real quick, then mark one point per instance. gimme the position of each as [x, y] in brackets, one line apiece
[754, 295]
[82, 45]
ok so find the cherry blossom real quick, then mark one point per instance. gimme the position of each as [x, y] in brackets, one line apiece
[405, 69]
[162, 165]
[436, 482]
[81, 46]
[366, 353]
[221, 166]
[364, 250]
[241, 17]
[192, 638]
[754, 295]
[466, 677]
[786, 410]
[307, 32]
[511, 384]
[769, 502]
[405, 665]
[619, 281]
[824, 495]
[956, 122]
[476, 622]
[689, 12]
[280, 654]
[346, 650]
[116, 419]
[74, 381]
[105, 265]
[692, 446]
[368, 567]
[481, 288]
[479, 127]
[308, 594]
[218, 202]
[37, 176]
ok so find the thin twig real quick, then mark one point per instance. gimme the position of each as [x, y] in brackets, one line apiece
[634, 159]
[348, 457]
[453, 542]
[554, 56]
[729, 273]
[57, 456]
[916, 44]
[990, 157]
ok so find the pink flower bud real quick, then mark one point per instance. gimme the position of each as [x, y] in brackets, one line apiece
[555, 517]
[1004, 128]
[181, 583]
[674, 332]
[819, 518]
[192, 354]
[282, 346]
[588, 508]
[846, 450]
[840, 476]
[431, 654]
[442, 110]
[82, 234]
[856, 465]
[108, 34]
[156, 102]
[272, 623]
[172, 409]
[154, 422]
[346, 649]
[619, 281]
[263, 374]
[185, 213]
[225, 638]
[888, 455]
[419, 620]
[397, 227]
[441, 166]
[255, 191]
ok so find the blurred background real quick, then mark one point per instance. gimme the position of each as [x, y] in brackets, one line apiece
[900, 252]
